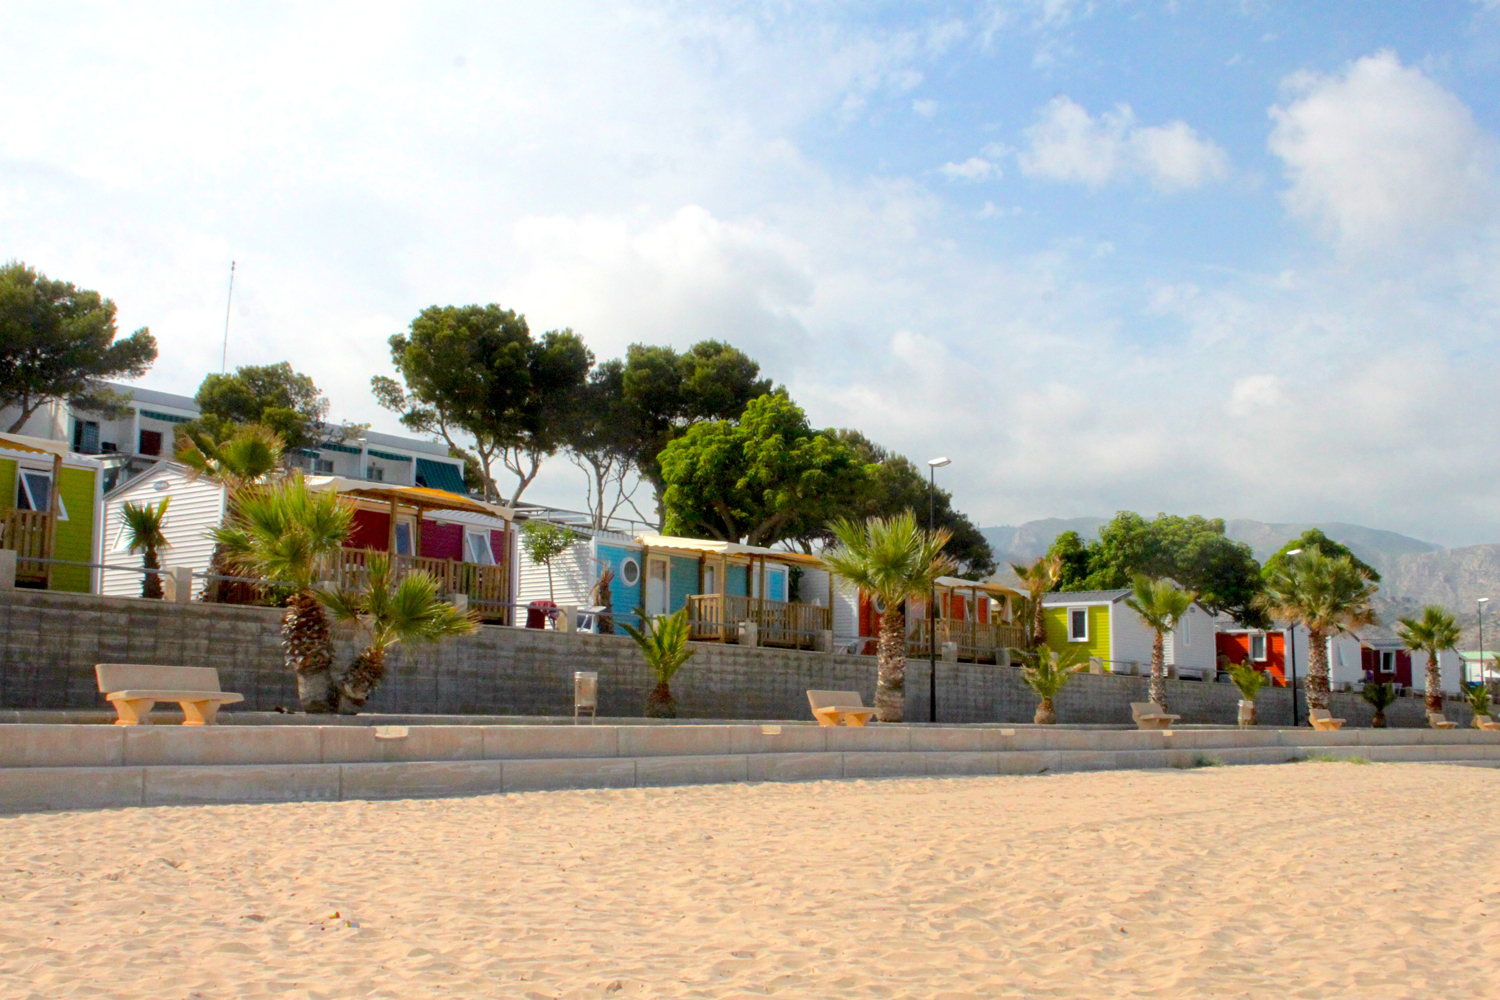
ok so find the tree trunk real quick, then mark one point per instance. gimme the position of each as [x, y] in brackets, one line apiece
[1317, 670]
[362, 677]
[151, 582]
[890, 674]
[1038, 625]
[1434, 692]
[1045, 714]
[1159, 671]
[660, 704]
[1378, 721]
[308, 647]
[551, 594]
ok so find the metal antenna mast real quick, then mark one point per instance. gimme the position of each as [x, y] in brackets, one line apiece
[224, 358]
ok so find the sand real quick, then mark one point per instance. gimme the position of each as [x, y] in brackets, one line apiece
[1306, 880]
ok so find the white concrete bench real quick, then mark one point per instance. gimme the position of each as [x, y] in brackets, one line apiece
[134, 688]
[832, 707]
[1148, 715]
[1321, 718]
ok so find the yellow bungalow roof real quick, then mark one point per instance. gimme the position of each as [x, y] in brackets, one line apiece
[26, 444]
[410, 496]
[724, 548]
[982, 587]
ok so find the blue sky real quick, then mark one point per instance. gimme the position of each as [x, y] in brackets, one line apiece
[1237, 259]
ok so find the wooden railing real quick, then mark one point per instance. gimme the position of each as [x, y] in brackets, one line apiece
[26, 531]
[781, 623]
[486, 586]
[977, 641]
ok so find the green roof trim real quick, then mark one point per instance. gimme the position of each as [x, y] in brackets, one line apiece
[339, 447]
[154, 415]
[388, 456]
[440, 476]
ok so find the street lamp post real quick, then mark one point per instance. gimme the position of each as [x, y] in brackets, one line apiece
[932, 467]
[1291, 632]
[1481, 602]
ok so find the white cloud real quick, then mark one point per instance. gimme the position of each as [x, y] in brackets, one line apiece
[926, 107]
[1069, 144]
[1380, 154]
[975, 168]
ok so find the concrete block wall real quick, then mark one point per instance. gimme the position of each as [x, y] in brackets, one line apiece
[49, 643]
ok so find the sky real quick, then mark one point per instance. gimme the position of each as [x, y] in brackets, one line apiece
[1231, 259]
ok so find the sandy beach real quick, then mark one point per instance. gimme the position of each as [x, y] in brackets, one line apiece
[1308, 880]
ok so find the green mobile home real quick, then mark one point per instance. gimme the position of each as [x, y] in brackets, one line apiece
[1101, 622]
[49, 509]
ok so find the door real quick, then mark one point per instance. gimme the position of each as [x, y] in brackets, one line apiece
[656, 587]
[776, 583]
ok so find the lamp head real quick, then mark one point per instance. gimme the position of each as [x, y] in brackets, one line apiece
[1295, 552]
[938, 463]
[1484, 600]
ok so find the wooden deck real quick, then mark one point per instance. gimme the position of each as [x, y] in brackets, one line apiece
[978, 642]
[485, 586]
[29, 533]
[717, 618]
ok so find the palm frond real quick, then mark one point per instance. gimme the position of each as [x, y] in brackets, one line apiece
[664, 643]
[1248, 680]
[1046, 670]
[1325, 594]
[1159, 603]
[144, 526]
[892, 558]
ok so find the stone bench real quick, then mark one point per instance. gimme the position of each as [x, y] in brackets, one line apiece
[134, 688]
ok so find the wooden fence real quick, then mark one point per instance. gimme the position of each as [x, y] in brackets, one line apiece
[781, 623]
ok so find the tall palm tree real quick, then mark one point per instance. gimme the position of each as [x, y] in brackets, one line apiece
[894, 560]
[664, 643]
[1161, 605]
[238, 457]
[390, 612]
[1328, 595]
[144, 534]
[1038, 579]
[285, 533]
[1432, 633]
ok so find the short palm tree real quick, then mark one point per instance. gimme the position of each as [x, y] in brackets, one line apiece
[390, 611]
[1045, 672]
[1479, 700]
[663, 642]
[1380, 697]
[144, 533]
[1249, 681]
[1435, 631]
[893, 560]
[1038, 579]
[287, 534]
[1161, 605]
[238, 457]
[1328, 595]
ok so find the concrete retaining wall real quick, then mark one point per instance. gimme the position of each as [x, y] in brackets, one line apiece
[51, 642]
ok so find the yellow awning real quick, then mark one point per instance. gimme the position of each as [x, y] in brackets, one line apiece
[713, 547]
[410, 496]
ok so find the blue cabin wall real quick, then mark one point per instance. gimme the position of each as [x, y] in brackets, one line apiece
[682, 582]
[623, 598]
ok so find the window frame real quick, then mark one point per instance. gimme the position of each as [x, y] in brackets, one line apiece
[1265, 647]
[630, 562]
[24, 489]
[1386, 656]
[471, 555]
[1071, 611]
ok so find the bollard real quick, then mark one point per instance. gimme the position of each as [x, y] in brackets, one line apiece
[177, 585]
[749, 634]
[567, 619]
[949, 652]
[825, 640]
[459, 601]
[7, 569]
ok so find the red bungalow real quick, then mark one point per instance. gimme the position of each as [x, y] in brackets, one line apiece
[1265, 651]
[975, 616]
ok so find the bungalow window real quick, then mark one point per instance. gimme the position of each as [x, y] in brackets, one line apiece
[86, 437]
[710, 579]
[1078, 624]
[150, 443]
[403, 538]
[375, 474]
[1258, 647]
[323, 466]
[1185, 629]
[1387, 662]
[477, 548]
[34, 492]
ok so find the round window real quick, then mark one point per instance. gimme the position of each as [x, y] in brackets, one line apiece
[630, 572]
[879, 605]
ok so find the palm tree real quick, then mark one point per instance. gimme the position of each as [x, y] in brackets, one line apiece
[1161, 605]
[391, 612]
[143, 533]
[1380, 697]
[664, 643]
[1328, 595]
[285, 533]
[894, 560]
[238, 458]
[1432, 633]
[1045, 672]
[1038, 579]
[1249, 681]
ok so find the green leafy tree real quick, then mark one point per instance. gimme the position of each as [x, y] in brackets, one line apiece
[1380, 697]
[1326, 594]
[287, 534]
[664, 643]
[763, 479]
[894, 560]
[1160, 604]
[665, 392]
[144, 524]
[475, 376]
[57, 343]
[894, 483]
[1194, 551]
[1313, 539]
[1046, 671]
[1431, 633]
[544, 542]
[389, 611]
[272, 396]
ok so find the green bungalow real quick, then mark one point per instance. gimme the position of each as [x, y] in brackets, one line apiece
[49, 509]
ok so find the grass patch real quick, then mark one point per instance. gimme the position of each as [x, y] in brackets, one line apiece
[1207, 760]
[1333, 758]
